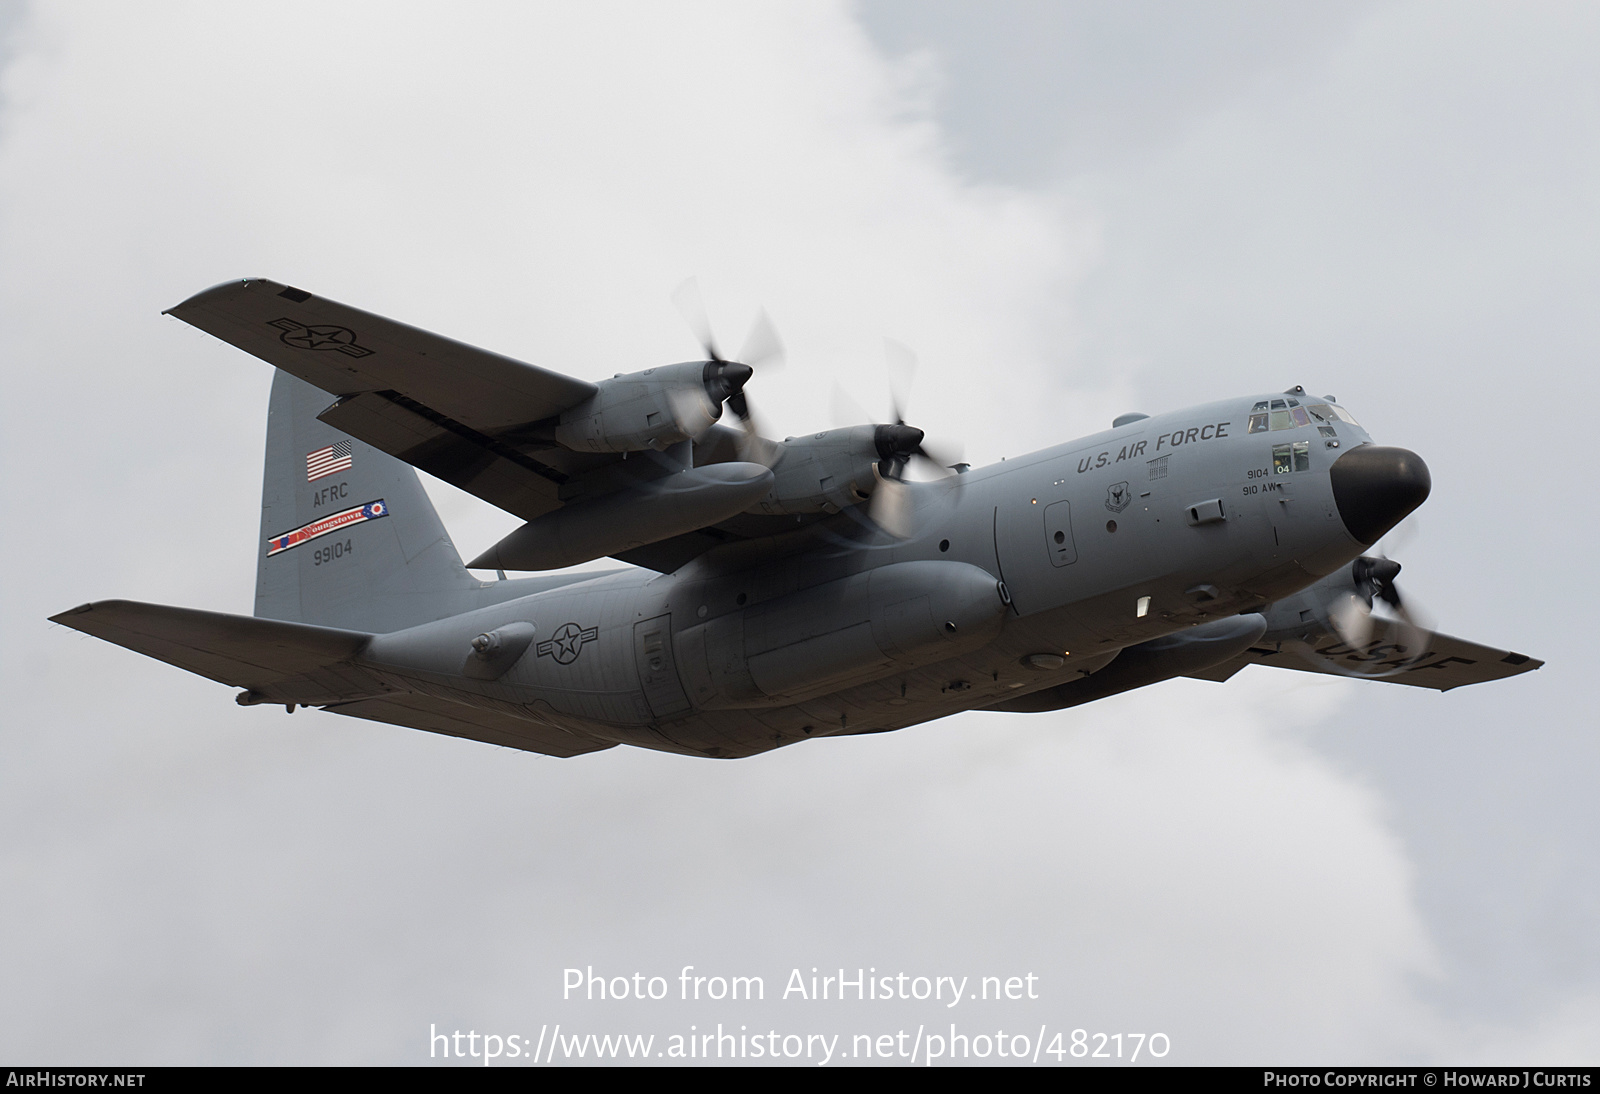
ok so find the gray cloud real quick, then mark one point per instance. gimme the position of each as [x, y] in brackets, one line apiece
[1404, 215]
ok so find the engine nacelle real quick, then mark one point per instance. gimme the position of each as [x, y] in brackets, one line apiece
[845, 632]
[822, 473]
[830, 471]
[644, 512]
[651, 409]
[1309, 614]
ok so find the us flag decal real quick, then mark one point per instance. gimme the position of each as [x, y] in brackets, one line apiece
[338, 521]
[327, 461]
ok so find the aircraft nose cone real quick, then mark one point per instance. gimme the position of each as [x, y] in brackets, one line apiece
[1375, 488]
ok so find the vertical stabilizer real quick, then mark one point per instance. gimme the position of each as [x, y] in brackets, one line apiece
[348, 536]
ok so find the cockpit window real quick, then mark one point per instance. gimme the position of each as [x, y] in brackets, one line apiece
[1267, 416]
[1289, 414]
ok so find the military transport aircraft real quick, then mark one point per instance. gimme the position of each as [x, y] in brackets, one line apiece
[776, 591]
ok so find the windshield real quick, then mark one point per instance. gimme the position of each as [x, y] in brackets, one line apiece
[1273, 414]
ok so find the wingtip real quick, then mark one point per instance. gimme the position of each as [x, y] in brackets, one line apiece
[68, 617]
[234, 285]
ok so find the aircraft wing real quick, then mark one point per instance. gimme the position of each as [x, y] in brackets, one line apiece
[476, 724]
[460, 413]
[282, 662]
[1445, 663]
[440, 405]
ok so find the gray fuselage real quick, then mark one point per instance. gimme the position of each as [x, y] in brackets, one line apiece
[1029, 573]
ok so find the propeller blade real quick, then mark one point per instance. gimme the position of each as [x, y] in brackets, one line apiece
[1419, 621]
[692, 307]
[942, 454]
[1352, 620]
[902, 367]
[893, 508]
[763, 348]
[846, 411]
[1398, 538]
[753, 447]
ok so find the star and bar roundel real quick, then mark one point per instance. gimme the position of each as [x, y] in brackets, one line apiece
[566, 643]
[372, 510]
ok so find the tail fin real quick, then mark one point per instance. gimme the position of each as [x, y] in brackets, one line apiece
[349, 538]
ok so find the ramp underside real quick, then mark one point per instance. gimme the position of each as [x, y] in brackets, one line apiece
[474, 723]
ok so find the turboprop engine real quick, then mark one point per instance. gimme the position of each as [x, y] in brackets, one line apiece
[1341, 604]
[833, 470]
[848, 631]
[651, 409]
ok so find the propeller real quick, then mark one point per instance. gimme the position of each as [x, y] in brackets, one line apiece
[725, 378]
[1354, 619]
[899, 446]
[1351, 615]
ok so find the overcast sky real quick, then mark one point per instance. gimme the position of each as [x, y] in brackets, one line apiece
[1067, 211]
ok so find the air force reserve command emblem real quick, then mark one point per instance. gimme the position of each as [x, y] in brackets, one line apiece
[1118, 496]
[321, 336]
[567, 642]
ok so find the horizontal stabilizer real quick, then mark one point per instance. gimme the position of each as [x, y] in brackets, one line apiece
[474, 723]
[280, 662]
[1445, 663]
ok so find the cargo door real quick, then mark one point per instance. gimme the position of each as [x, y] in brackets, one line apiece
[658, 675]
